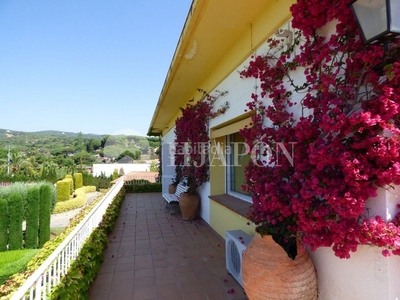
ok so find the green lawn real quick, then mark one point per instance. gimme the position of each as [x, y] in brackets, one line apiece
[12, 262]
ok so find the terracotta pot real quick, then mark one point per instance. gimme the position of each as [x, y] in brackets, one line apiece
[268, 273]
[188, 204]
[172, 189]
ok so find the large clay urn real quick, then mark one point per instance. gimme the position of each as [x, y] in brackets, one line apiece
[172, 188]
[188, 204]
[268, 272]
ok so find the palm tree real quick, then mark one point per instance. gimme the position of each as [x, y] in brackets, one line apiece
[48, 170]
[20, 165]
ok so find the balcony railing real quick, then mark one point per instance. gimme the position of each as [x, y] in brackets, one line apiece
[49, 274]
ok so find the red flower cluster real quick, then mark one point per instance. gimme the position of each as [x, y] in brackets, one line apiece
[347, 140]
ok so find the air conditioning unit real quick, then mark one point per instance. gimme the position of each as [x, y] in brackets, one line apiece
[236, 242]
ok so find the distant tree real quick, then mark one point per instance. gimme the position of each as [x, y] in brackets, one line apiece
[79, 145]
[115, 174]
[154, 166]
[144, 146]
[19, 164]
[104, 141]
[82, 158]
[134, 155]
[3, 153]
[93, 145]
[48, 170]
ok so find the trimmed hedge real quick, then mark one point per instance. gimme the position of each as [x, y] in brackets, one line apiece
[77, 202]
[32, 218]
[143, 188]
[3, 224]
[44, 214]
[78, 180]
[18, 279]
[63, 190]
[22, 188]
[16, 214]
[85, 189]
[71, 180]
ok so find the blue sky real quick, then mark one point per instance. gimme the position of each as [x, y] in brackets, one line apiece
[90, 66]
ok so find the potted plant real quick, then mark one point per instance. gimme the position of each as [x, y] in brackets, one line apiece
[189, 200]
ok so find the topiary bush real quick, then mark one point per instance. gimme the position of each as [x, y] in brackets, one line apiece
[17, 279]
[16, 187]
[77, 202]
[71, 181]
[44, 214]
[3, 224]
[131, 187]
[63, 190]
[32, 218]
[16, 213]
[78, 180]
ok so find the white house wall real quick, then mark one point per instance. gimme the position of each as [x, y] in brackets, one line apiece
[108, 169]
[168, 168]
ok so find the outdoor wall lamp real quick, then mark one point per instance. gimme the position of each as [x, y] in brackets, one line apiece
[286, 34]
[379, 20]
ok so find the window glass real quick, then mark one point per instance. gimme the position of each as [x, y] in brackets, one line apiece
[238, 158]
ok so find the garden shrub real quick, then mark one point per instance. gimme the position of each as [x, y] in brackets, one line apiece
[22, 188]
[85, 190]
[115, 174]
[63, 190]
[16, 187]
[53, 192]
[71, 183]
[17, 279]
[44, 214]
[3, 224]
[77, 202]
[32, 218]
[131, 187]
[78, 180]
[16, 213]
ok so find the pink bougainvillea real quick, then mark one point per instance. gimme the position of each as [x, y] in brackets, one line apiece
[346, 146]
[192, 140]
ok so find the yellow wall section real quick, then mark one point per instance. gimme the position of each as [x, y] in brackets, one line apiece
[223, 219]
[257, 33]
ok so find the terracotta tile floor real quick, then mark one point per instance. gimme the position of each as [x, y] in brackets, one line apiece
[155, 255]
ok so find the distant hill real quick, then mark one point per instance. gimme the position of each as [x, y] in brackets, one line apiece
[51, 133]
[50, 143]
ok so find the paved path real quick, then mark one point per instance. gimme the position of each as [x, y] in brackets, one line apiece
[62, 220]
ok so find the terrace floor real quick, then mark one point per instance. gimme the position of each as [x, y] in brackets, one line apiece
[155, 255]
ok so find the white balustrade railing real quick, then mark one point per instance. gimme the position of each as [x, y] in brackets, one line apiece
[49, 274]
